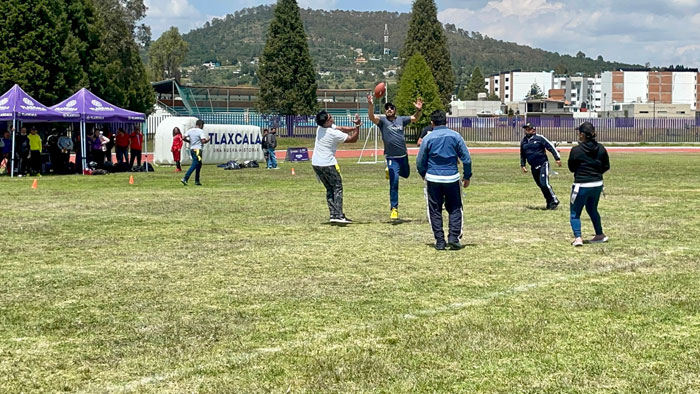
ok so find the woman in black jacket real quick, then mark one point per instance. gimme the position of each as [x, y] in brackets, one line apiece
[588, 161]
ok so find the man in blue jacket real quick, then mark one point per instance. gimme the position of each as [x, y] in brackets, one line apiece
[532, 149]
[437, 164]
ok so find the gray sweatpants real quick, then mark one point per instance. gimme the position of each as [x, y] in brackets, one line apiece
[331, 179]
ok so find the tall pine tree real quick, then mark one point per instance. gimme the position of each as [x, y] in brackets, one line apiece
[417, 81]
[286, 73]
[427, 37]
[475, 86]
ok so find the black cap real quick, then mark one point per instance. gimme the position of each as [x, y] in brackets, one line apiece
[528, 125]
[389, 105]
[586, 128]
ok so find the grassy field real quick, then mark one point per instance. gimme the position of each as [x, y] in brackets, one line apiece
[242, 286]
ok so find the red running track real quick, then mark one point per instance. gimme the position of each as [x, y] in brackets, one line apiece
[349, 153]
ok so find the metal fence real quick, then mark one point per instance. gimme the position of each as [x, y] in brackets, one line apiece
[498, 129]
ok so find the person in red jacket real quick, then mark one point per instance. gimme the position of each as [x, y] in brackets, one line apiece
[122, 145]
[136, 139]
[177, 147]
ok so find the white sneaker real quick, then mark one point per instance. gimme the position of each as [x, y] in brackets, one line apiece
[577, 242]
[599, 241]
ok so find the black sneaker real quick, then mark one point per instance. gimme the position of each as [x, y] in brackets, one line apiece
[184, 182]
[553, 205]
[455, 245]
[198, 184]
[439, 245]
[344, 219]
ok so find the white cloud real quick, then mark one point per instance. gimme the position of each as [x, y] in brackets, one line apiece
[162, 14]
[627, 34]
[318, 4]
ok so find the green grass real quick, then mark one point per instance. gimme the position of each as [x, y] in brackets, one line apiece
[242, 286]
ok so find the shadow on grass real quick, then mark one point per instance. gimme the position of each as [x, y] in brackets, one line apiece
[464, 246]
[533, 208]
[395, 222]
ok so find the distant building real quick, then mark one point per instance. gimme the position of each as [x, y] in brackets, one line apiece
[660, 87]
[475, 108]
[211, 65]
[511, 86]
[581, 94]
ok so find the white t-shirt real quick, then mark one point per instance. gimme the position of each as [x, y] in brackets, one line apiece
[327, 141]
[195, 135]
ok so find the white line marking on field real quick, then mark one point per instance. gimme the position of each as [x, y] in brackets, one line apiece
[456, 306]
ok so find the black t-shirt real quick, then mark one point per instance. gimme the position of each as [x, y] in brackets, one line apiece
[427, 129]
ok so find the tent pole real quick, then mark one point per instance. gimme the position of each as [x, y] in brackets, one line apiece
[83, 146]
[12, 158]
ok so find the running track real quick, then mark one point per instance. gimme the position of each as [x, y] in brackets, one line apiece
[516, 150]
[350, 153]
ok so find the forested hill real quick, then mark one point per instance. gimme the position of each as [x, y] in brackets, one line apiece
[333, 36]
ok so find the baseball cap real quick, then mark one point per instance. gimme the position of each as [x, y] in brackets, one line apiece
[586, 128]
[389, 105]
[528, 125]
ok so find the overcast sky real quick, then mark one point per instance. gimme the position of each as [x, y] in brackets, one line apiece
[662, 32]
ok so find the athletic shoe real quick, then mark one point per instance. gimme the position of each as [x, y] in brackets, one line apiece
[596, 240]
[553, 205]
[394, 213]
[386, 172]
[341, 220]
[439, 245]
[198, 184]
[577, 242]
[178, 170]
[184, 182]
[455, 245]
[275, 168]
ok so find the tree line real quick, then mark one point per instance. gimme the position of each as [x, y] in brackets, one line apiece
[52, 48]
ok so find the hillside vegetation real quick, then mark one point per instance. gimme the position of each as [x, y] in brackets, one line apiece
[334, 36]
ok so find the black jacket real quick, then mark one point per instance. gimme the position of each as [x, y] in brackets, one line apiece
[271, 141]
[532, 148]
[588, 161]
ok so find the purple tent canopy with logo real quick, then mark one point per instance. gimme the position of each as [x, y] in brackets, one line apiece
[16, 105]
[85, 107]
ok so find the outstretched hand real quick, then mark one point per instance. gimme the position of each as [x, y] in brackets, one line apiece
[418, 104]
[357, 120]
[370, 99]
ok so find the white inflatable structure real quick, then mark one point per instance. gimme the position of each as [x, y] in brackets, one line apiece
[226, 142]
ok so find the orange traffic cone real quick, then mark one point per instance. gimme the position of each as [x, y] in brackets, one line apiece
[131, 179]
[35, 184]
[293, 173]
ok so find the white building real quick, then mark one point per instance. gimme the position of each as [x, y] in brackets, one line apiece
[666, 87]
[511, 86]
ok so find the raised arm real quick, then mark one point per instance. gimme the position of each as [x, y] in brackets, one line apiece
[354, 132]
[370, 110]
[419, 110]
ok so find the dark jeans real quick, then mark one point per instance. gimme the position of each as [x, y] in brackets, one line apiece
[135, 154]
[122, 155]
[331, 179]
[588, 197]
[398, 167]
[449, 194]
[541, 176]
[35, 162]
[196, 165]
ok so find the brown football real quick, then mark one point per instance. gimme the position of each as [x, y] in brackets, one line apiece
[379, 90]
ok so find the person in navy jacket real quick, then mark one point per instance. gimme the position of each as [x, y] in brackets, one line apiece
[533, 149]
[437, 164]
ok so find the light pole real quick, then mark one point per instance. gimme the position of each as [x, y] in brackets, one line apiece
[653, 121]
[605, 95]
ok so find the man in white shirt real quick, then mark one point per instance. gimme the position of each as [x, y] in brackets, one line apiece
[325, 165]
[196, 138]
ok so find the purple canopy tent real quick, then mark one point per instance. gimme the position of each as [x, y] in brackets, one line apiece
[84, 106]
[16, 105]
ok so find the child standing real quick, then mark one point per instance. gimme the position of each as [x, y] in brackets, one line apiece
[177, 147]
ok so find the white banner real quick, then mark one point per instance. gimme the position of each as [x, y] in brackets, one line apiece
[226, 142]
